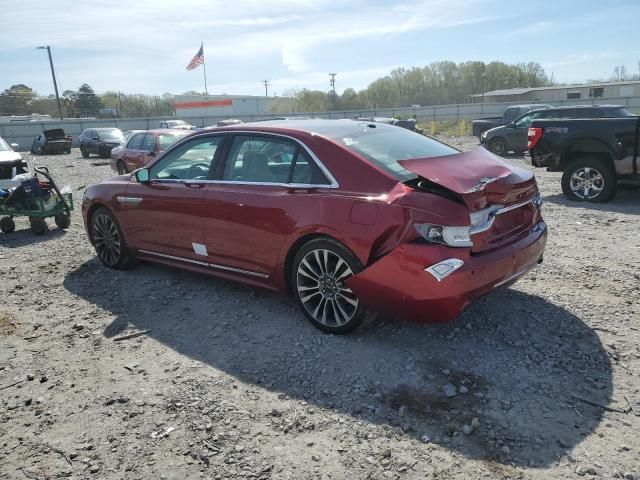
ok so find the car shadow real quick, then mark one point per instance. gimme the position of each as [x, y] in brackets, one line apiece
[23, 237]
[625, 201]
[515, 360]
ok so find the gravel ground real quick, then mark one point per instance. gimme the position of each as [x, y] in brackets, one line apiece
[231, 382]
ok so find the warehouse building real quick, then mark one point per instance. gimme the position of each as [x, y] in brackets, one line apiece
[191, 106]
[588, 93]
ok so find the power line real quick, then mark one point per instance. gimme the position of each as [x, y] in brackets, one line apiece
[266, 87]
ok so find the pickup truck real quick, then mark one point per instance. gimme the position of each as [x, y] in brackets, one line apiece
[595, 155]
[513, 135]
[509, 115]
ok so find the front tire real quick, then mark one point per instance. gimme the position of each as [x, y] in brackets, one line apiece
[498, 146]
[318, 273]
[589, 180]
[108, 240]
[63, 221]
[84, 152]
[122, 169]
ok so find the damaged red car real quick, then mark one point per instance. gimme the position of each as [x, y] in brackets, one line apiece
[347, 216]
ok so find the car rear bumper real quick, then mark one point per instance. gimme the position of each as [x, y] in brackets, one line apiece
[399, 285]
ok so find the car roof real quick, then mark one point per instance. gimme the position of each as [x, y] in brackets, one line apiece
[171, 131]
[316, 126]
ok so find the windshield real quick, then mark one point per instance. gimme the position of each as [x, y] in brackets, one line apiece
[110, 134]
[621, 112]
[4, 147]
[384, 146]
[166, 140]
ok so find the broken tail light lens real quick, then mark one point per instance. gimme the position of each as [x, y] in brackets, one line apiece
[452, 236]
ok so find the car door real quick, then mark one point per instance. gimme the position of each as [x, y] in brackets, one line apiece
[133, 149]
[267, 184]
[163, 217]
[148, 150]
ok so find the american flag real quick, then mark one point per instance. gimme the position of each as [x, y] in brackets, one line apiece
[197, 60]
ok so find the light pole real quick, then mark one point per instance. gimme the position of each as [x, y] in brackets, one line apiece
[53, 74]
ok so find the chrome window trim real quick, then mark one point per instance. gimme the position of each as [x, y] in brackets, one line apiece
[333, 183]
[493, 211]
[206, 264]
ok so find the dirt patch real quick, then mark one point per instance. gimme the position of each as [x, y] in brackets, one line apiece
[7, 323]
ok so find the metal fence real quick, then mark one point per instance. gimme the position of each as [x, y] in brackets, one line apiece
[23, 133]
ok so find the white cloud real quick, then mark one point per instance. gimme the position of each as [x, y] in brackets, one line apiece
[138, 45]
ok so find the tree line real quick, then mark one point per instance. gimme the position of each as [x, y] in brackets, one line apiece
[435, 84]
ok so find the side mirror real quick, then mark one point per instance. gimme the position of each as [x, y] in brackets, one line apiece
[14, 146]
[142, 175]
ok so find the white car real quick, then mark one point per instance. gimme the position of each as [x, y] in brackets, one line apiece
[11, 162]
[179, 124]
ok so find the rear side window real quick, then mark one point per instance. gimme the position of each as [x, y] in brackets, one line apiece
[261, 159]
[384, 146]
[149, 142]
[136, 142]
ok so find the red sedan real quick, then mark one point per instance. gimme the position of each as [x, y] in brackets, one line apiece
[141, 147]
[345, 215]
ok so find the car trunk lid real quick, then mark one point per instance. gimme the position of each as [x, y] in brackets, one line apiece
[499, 196]
[54, 134]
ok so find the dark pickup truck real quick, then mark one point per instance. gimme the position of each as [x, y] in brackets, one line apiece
[595, 155]
[509, 115]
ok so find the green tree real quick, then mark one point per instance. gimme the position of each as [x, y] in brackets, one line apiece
[16, 100]
[88, 103]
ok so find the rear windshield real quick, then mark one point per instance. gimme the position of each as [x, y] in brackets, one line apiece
[166, 140]
[384, 146]
[110, 134]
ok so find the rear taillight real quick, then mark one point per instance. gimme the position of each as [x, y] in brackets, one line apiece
[535, 134]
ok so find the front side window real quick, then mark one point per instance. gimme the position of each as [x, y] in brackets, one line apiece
[136, 142]
[260, 159]
[191, 161]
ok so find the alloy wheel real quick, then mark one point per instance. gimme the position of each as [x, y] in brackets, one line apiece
[106, 239]
[320, 285]
[586, 183]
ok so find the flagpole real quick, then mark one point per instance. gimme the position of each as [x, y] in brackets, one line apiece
[204, 69]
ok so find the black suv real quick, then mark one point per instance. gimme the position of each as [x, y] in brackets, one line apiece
[513, 135]
[100, 141]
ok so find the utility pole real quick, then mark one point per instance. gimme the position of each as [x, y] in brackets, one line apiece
[53, 74]
[120, 103]
[266, 87]
[332, 82]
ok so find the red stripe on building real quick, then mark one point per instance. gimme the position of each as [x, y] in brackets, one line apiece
[207, 103]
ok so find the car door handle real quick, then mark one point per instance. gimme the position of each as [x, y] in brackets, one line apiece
[194, 184]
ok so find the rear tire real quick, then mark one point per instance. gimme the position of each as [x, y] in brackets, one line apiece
[498, 146]
[318, 273]
[108, 240]
[38, 226]
[7, 225]
[63, 221]
[589, 179]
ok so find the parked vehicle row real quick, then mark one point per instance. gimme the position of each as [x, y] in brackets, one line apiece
[595, 155]
[348, 216]
[512, 137]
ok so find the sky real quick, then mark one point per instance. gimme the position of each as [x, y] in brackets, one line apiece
[144, 46]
